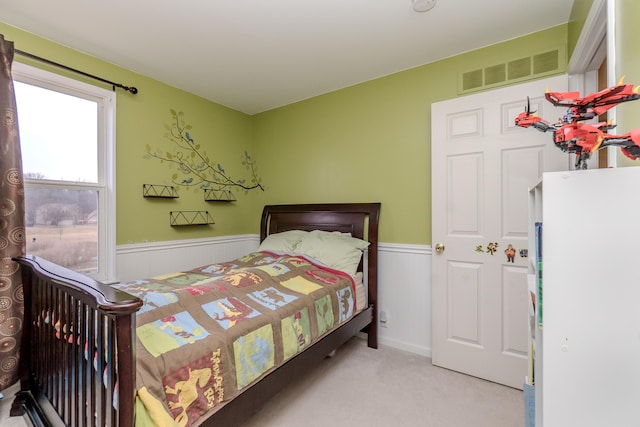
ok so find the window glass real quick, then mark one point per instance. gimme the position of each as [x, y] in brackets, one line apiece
[58, 134]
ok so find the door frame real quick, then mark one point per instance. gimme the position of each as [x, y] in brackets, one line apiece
[596, 42]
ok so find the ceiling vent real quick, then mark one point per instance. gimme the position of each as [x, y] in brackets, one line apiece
[514, 71]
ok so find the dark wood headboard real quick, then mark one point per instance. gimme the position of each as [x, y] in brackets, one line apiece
[359, 219]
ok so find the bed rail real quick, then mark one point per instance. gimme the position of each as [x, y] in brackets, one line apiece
[78, 351]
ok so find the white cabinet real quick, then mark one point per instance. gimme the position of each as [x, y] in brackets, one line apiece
[589, 359]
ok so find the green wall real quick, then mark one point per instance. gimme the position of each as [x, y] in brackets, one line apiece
[577, 19]
[224, 134]
[368, 142]
[627, 64]
[372, 141]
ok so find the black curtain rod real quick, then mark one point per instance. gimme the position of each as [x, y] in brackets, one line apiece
[129, 89]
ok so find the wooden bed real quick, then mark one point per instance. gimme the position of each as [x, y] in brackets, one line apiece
[61, 385]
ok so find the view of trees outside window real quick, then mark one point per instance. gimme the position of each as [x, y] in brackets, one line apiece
[62, 226]
[58, 138]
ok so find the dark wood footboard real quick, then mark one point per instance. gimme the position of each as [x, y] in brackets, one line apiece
[78, 351]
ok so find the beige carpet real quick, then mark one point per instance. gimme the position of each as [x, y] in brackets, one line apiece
[388, 387]
[5, 407]
[383, 387]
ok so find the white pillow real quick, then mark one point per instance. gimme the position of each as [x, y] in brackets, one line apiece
[337, 250]
[285, 241]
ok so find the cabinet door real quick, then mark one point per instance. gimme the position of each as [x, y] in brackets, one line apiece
[591, 298]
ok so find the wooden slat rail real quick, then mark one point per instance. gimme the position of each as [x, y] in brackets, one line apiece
[78, 351]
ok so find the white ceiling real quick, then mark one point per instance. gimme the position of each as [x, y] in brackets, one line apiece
[255, 55]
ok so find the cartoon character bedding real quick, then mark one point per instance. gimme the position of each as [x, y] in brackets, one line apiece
[205, 335]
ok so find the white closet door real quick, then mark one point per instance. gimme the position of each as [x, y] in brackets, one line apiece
[482, 168]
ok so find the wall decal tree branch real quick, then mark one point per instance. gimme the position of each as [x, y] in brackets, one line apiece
[195, 169]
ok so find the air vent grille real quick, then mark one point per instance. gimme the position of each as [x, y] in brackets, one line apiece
[472, 79]
[545, 62]
[519, 68]
[495, 74]
[514, 71]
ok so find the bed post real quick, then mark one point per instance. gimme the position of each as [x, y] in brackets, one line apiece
[125, 337]
[19, 404]
[372, 236]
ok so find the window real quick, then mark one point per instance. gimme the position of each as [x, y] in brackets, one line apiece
[67, 141]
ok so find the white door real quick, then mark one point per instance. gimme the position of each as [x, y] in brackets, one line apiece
[482, 168]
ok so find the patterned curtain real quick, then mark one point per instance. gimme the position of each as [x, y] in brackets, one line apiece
[12, 233]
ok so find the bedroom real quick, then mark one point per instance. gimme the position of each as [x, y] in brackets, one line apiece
[386, 117]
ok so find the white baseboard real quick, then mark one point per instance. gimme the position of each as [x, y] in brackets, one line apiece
[409, 347]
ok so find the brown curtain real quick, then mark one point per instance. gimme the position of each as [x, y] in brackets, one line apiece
[12, 232]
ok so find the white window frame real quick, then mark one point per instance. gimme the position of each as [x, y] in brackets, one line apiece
[106, 185]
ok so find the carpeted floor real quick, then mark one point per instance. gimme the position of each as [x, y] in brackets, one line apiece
[5, 406]
[360, 386]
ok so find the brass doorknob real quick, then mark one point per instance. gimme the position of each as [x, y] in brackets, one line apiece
[439, 248]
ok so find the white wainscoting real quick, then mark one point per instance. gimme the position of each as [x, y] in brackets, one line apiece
[404, 293]
[143, 260]
[404, 290]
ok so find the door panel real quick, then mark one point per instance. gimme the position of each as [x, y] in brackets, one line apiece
[464, 293]
[521, 168]
[465, 194]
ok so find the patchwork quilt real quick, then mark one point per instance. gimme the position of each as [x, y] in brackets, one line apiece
[205, 335]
